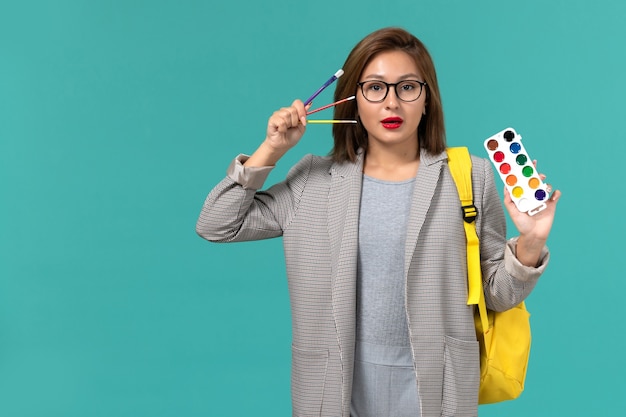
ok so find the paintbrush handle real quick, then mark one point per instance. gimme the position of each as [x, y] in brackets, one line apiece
[331, 105]
[338, 74]
[330, 121]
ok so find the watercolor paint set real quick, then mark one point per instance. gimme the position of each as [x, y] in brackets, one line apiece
[516, 169]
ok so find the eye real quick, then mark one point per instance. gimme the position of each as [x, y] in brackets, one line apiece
[375, 86]
[408, 85]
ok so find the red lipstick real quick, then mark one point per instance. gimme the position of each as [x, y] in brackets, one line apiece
[392, 122]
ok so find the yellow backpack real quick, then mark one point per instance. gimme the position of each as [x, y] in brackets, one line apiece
[504, 337]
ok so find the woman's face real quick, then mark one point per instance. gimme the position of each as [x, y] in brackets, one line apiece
[391, 121]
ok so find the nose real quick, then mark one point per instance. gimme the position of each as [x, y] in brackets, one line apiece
[391, 101]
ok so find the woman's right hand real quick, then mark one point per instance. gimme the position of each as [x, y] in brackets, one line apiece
[286, 126]
[284, 130]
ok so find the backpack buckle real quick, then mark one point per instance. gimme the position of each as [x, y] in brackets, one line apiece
[469, 213]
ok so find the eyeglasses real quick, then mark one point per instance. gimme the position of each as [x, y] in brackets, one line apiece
[376, 91]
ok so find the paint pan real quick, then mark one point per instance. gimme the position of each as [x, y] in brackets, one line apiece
[516, 169]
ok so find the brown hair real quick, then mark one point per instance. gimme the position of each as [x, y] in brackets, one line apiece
[348, 138]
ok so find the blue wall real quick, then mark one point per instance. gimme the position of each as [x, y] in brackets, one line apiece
[117, 117]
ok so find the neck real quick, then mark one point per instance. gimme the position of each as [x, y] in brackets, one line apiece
[395, 163]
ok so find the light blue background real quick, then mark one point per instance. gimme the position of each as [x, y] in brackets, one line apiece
[117, 117]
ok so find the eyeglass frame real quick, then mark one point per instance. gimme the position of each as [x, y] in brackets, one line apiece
[395, 89]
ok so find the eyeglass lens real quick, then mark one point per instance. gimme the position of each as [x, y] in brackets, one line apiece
[375, 90]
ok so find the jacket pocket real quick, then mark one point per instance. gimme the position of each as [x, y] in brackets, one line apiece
[308, 377]
[461, 376]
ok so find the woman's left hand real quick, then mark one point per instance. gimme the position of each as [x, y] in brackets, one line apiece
[534, 230]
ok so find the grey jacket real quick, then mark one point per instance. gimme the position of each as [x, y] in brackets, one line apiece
[316, 210]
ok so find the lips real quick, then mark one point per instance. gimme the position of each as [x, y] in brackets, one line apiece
[391, 122]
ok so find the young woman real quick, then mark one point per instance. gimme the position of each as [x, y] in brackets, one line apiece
[375, 245]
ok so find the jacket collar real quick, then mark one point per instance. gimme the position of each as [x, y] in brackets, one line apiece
[346, 168]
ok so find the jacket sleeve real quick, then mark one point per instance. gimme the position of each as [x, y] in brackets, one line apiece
[236, 211]
[506, 281]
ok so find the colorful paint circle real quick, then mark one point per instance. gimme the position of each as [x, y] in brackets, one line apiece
[505, 168]
[512, 180]
[521, 160]
[528, 171]
[540, 195]
[509, 135]
[534, 182]
[498, 156]
[515, 147]
[517, 192]
[492, 145]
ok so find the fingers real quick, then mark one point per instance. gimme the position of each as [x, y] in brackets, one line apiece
[288, 117]
[508, 200]
[283, 119]
[301, 110]
[555, 196]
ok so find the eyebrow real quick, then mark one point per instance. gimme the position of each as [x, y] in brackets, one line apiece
[402, 77]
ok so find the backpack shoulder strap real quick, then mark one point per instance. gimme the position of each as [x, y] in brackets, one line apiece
[460, 165]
